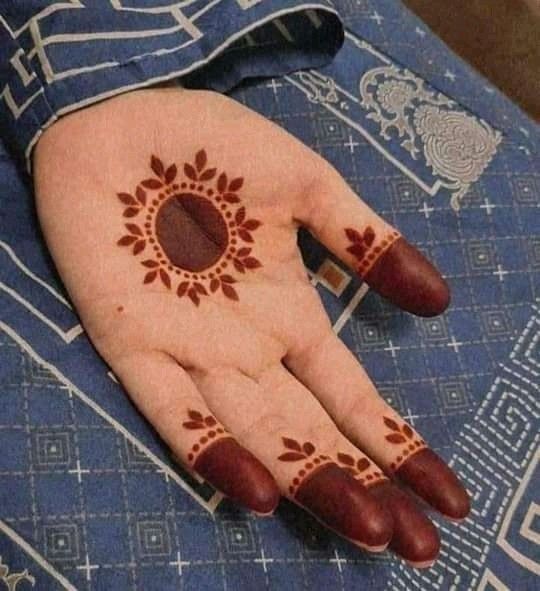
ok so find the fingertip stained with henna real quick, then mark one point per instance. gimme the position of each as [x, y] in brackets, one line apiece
[432, 480]
[239, 475]
[415, 538]
[344, 505]
[403, 275]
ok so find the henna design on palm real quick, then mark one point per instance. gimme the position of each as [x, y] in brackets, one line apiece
[363, 470]
[365, 247]
[402, 435]
[297, 452]
[196, 227]
[212, 431]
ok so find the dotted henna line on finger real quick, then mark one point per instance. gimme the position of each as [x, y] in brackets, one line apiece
[405, 437]
[363, 470]
[213, 432]
[298, 452]
[365, 249]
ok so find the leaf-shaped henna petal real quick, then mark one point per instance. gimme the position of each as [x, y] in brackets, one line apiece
[222, 182]
[127, 199]
[151, 264]
[149, 277]
[134, 229]
[214, 285]
[157, 166]
[391, 424]
[353, 235]
[192, 425]
[239, 265]
[200, 288]
[194, 296]
[131, 212]
[126, 240]
[139, 247]
[229, 291]
[152, 184]
[291, 444]
[165, 279]
[357, 250]
[208, 174]
[195, 415]
[362, 464]
[243, 252]
[190, 172]
[182, 288]
[407, 431]
[227, 279]
[235, 184]
[291, 456]
[369, 235]
[245, 235]
[252, 263]
[200, 160]
[395, 438]
[240, 215]
[308, 448]
[210, 421]
[170, 173]
[251, 225]
[346, 459]
[231, 198]
[141, 195]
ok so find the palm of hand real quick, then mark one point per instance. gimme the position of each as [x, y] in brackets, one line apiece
[190, 284]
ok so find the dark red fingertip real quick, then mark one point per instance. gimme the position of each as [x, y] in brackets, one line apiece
[404, 276]
[344, 505]
[432, 480]
[239, 475]
[415, 537]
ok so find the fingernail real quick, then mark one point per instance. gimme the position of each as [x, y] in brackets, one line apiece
[404, 276]
[344, 505]
[432, 480]
[239, 475]
[415, 538]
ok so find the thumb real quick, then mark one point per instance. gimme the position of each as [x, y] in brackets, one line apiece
[376, 251]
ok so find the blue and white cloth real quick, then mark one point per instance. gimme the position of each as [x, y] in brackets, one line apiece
[89, 497]
[56, 57]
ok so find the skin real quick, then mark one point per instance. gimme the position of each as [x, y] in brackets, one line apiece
[241, 374]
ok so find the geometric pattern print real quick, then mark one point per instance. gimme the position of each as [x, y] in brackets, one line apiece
[58, 56]
[498, 456]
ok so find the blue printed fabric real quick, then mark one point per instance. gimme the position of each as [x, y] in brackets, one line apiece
[56, 57]
[90, 498]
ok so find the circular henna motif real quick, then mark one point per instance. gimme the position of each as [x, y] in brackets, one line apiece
[203, 229]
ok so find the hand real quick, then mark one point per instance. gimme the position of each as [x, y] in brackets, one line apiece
[172, 217]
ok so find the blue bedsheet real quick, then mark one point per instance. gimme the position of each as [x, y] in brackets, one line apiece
[89, 497]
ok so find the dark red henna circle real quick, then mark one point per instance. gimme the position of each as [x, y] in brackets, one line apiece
[191, 232]
[239, 475]
[344, 505]
[405, 277]
[432, 480]
[415, 538]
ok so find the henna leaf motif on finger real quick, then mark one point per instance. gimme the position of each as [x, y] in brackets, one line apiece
[365, 248]
[361, 469]
[196, 422]
[296, 452]
[403, 435]
[199, 233]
